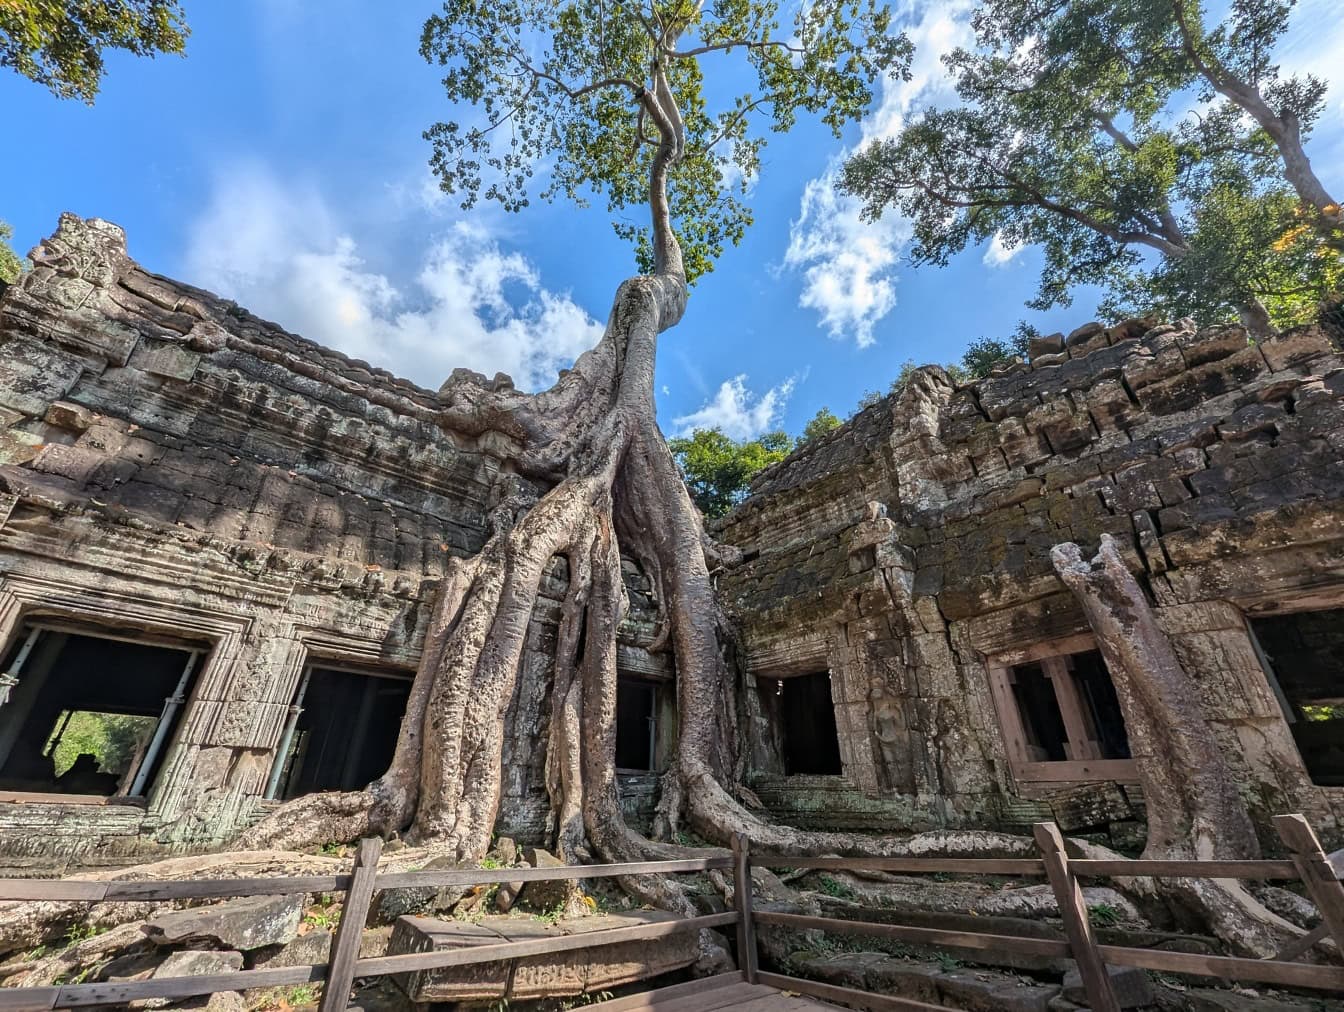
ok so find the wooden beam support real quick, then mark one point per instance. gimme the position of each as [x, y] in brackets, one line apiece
[1316, 871]
[350, 930]
[1077, 926]
[746, 926]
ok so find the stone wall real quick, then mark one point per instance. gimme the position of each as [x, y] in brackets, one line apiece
[908, 554]
[170, 465]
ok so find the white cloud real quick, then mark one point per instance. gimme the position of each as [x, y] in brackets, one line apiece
[999, 255]
[279, 250]
[847, 264]
[737, 412]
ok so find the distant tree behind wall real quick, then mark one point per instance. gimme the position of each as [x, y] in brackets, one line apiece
[718, 468]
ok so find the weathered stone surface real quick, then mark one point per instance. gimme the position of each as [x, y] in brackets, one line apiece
[192, 963]
[248, 923]
[1131, 986]
[555, 976]
[545, 895]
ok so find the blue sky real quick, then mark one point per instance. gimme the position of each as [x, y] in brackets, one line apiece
[281, 164]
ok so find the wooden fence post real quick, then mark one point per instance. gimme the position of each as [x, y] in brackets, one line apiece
[1316, 871]
[350, 930]
[1077, 926]
[746, 926]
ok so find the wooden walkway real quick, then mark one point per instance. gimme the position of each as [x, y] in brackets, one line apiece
[726, 992]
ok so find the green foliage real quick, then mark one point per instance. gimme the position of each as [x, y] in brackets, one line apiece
[111, 738]
[564, 90]
[301, 994]
[1103, 915]
[11, 264]
[947, 963]
[717, 468]
[1071, 138]
[587, 998]
[834, 887]
[60, 45]
[822, 422]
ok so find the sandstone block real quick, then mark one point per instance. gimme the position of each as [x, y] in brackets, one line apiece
[558, 975]
[192, 963]
[65, 415]
[545, 895]
[1050, 344]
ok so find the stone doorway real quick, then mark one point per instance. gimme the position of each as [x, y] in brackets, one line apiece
[87, 714]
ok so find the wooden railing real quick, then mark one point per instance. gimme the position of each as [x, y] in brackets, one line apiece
[344, 963]
[1307, 864]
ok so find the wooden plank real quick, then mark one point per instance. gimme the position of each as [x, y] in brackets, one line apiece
[915, 865]
[481, 876]
[83, 889]
[1071, 770]
[648, 999]
[76, 995]
[28, 999]
[1073, 909]
[51, 889]
[216, 888]
[1185, 869]
[732, 996]
[848, 995]
[1080, 742]
[345, 946]
[407, 962]
[1316, 871]
[927, 936]
[1267, 971]
[746, 929]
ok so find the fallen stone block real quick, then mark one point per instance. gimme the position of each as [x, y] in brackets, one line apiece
[244, 924]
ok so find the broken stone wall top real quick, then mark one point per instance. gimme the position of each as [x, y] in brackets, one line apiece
[126, 395]
[1181, 442]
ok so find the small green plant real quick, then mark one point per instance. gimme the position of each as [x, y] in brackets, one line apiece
[1104, 915]
[301, 994]
[333, 849]
[491, 863]
[553, 915]
[82, 933]
[834, 887]
[947, 963]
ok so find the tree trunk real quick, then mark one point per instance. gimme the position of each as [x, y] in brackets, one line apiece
[1193, 807]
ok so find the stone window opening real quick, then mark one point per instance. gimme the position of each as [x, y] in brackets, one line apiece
[89, 715]
[800, 716]
[645, 719]
[1059, 713]
[1303, 657]
[341, 730]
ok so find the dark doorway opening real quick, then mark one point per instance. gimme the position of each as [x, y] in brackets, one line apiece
[1304, 661]
[342, 732]
[807, 719]
[1041, 717]
[1105, 719]
[636, 725]
[89, 714]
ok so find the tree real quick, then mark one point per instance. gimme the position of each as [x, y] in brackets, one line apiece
[61, 45]
[1066, 141]
[718, 468]
[984, 354]
[822, 422]
[10, 264]
[611, 99]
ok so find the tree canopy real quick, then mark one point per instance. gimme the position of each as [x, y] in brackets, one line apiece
[572, 93]
[718, 468]
[61, 45]
[824, 421]
[1071, 137]
[10, 263]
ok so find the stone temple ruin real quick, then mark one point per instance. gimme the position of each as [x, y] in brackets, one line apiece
[216, 539]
